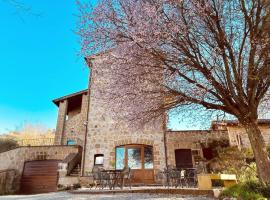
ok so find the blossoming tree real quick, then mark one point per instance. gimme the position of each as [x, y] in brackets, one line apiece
[212, 53]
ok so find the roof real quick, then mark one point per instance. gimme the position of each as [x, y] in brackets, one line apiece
[58, 100]
[236, 122]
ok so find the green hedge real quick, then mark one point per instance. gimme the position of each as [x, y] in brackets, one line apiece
[247, 191]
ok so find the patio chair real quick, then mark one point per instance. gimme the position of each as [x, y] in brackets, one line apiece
[160, 177]
[127, 175]
[169, 176]
[191, 177]
[100, 178]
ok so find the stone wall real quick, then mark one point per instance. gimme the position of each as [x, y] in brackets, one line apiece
[72, 127]
[239, 137]
[15, 159]
[190, 140]
[6, 181]
[75, 125]
[105, 134]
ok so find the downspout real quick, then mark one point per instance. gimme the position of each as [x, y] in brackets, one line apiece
[165, 137]
[87, 117]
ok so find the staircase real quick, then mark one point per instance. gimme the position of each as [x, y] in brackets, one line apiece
[75, 172]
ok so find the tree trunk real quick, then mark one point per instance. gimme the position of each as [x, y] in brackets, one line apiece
[260, 152]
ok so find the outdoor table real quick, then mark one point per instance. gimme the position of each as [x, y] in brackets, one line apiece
[115, 178]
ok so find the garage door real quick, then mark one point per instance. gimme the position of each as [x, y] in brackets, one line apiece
[39, 177]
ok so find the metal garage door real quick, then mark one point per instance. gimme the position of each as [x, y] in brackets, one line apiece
[39, 176]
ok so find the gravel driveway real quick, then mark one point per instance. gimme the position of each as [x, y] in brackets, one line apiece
[68, 196]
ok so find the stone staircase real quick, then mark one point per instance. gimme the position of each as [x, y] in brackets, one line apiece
[76, 171]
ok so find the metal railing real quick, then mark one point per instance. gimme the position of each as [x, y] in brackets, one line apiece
[36, 142]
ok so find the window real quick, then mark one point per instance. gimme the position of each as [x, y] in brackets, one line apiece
[71, 142]
[120, 158]
[98, 159]
[134, 156]
[148, 157]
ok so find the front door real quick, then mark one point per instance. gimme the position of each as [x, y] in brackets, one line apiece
[139, 158]
[183, 158]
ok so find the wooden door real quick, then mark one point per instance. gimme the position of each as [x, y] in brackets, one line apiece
[139, 158]
[39, 177]
[183, 158]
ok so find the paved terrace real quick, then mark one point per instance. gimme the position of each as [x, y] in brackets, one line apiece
[118, 196]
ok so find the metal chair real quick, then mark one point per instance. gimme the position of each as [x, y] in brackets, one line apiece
[128, 175]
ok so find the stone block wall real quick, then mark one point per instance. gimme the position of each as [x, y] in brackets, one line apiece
[190, 140]
[105, 133]
[15, 159]
[6, 181]
[239, 137]
[73, 127]
[61, 118]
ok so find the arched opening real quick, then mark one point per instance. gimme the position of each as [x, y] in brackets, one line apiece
[137, 157]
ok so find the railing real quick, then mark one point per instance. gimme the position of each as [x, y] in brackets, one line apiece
[36, 142]
[69, 163]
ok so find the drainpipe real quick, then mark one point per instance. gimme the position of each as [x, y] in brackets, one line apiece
[87, 117]
[165, 137]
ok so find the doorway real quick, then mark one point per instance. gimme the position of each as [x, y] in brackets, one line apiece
[183, 158]
[137, 157]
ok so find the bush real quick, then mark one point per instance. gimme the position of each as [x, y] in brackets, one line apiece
[7, 144]
[247, 191]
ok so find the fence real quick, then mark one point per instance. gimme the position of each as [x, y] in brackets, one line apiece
[36, 142]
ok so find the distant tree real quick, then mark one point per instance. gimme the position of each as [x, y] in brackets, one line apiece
[210, 53]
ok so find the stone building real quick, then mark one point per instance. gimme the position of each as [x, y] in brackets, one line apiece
[88, 135]
[145, 151]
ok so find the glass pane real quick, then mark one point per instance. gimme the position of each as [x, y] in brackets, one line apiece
[99, 160]
[134, 158]
[71, 142]
[148, 158]
[120, 158]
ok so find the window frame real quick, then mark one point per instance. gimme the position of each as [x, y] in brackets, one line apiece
[132, 146]
[96, 156]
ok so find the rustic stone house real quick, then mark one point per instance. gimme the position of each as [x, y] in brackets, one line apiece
[115, 146]
[86, 136]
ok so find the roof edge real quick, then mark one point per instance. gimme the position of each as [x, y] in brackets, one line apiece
[57, 101]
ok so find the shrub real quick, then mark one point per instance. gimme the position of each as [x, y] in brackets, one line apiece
[247, 191]
[7, 144]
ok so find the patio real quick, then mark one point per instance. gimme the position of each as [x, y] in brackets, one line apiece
[149, 190]
[123, 196]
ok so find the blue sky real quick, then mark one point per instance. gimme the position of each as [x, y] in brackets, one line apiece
[39, 61]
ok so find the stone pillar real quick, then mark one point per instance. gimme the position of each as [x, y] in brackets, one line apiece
[84, 113]
[60, 127]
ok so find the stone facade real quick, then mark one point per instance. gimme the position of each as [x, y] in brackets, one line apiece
[239, 137]
[105, 134]
[71, 124]
[237, 134]
[61, 119]
[190, 140]
[93, 126]
[15, 159]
